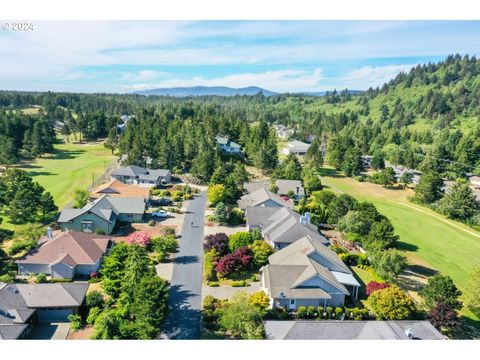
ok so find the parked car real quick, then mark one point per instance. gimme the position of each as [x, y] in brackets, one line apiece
[160, 202]
[161, 214]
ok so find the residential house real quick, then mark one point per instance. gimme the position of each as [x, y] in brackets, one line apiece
[400, 170]
[264, 198]
[351, 330]
[307, 273]
[228, 145]
[66, 255]
[122, 127]
[284, 187]
[283, 131]
[116, 188]
[102, 214]
[296, 147]
[137, 175]
[22, 305]
[283, 227]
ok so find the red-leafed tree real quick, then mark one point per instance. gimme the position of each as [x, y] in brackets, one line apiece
[226, 265]
[218, 242]
[139, 238]
[442, 316]
[374, 286]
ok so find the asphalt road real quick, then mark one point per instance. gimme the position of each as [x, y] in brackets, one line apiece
[184, 320]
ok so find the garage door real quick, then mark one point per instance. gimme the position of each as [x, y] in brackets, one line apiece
[60, 315]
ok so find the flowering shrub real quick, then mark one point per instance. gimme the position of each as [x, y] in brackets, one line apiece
[374, 286]
[139, 238]
[94, 274]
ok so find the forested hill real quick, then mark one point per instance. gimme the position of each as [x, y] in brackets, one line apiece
[207, 91]
[427, 118]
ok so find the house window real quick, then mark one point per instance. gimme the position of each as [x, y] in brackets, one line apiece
[87, 226]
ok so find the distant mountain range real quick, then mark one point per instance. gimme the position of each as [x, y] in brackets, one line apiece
[206, 90]
[222, 91]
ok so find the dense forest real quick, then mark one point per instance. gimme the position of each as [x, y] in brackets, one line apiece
[427, 118]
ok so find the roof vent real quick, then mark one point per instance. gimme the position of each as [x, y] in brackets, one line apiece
[409, 333]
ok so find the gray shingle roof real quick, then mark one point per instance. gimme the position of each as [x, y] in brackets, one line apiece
[258, 215]
[53, 295]
[297, 146]
[350, 330]
[259, 196]
[107, 208]
[284, 227]
[11, 331]
[284, 186]
[141, 173]
[291, 266]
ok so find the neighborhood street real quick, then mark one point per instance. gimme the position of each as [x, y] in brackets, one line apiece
[184, 320]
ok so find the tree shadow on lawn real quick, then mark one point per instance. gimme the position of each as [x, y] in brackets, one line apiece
[468, 329]
[330, 173]
[41, 173]
[183, 322]
[421, 270]
[406, 246]
[67, 154]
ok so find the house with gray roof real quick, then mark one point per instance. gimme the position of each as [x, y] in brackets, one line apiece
[23, 305]
[282, 226]
[351, 330]
[137, 175]
[296, 147]
[307, 273]
[228, 145]
[101, 215]
[66, 255]
[264, 198]
[284, 187]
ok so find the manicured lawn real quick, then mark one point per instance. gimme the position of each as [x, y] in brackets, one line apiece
[72, 166]
[428, 238]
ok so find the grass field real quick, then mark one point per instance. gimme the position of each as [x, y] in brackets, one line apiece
[72, 166]
[429, 239]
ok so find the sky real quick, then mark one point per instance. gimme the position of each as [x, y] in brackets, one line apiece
[282, 56]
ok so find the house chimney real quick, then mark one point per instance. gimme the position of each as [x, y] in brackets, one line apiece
[303, 220]
[307, 217]
[49, 233]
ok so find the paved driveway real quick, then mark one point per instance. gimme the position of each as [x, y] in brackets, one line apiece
[184, 321]
[50, 331]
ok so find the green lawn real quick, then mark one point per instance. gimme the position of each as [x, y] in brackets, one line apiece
[447, 246]
[71, 166]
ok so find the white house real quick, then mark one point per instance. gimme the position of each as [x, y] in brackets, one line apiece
[296, 147]
[228, 145]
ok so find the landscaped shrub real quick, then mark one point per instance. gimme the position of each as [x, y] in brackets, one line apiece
[218, 241]
[260, 299]
[239, 239]
[41, 278]
[254, 278]
[163, 246]
[60, 280]
[320, 311]
[168, 231]
[209, 271]
[235, 217]
[329, 310]
[338, 312]
[301, 312]
[213, 283]
[152, 223]
[100, 232]
[139, 238]
[261, 251]
[95, 299]
[311, 311]
[374, 286]
[187, 197]
[92, 315]
[391, 303]
[241, 283]
[75, 322]
[338, 249]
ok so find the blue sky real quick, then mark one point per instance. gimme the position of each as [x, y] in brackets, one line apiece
[124, 56]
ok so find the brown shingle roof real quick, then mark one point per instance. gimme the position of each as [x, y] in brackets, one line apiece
[70, 247]
[115, 188]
